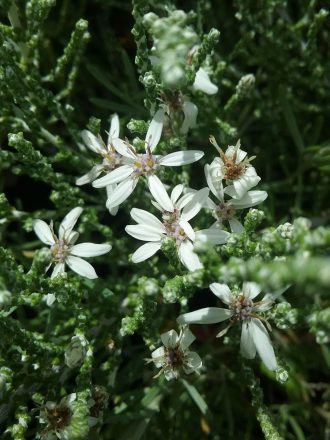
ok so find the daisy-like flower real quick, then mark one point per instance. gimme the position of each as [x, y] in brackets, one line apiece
[63, 248]
[234, 167]
[145, 164]
[174, 354]
[225, 210]
[176, 214]
[111, 159]
[241, 307]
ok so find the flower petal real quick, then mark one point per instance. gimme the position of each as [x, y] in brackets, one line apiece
[263, 344]
[176, 193]
[123, 148]
[92, 142]
[195, 205]
[222, 291]
[90, 176]
[170, 338]
[215, 187]
[212, 236]
[155, 129]
[159, 193]
[250, 289]
[144, 217]
[90, 249]
[236, 226]
[179, 158]
[190, 111]
[118, 175]
[144, 232]
[277, 293]
[68, 222]
[158, 356]
[121, 193]
[251, 198]
[247, 347]
[192, 362]
[187, 229]
[188, 257]
[59, 268]
[114, 128]
[146, 251]
[43, 231]
[203, 83]
[81, 267]
[186, 338]
[208, 315]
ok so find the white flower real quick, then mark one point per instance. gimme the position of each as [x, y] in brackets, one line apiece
[226, 209]
[254, 337]
[146, 164]
[176, 214]
[203, 83]
[111, 159]
[174, 354]
[234, 167]
[63, 248]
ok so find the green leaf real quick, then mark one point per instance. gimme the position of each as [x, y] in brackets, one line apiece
[195, 395]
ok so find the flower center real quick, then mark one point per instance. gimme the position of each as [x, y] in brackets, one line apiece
[172, 226]
[242, 307]
[233, 170]
[59, 417]
[60, 250]
[111, 160]
[224, 211]
[145, 164]
[174, 357]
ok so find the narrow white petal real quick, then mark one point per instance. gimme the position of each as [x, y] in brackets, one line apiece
[176, 193]
[187, 229]
[195, 204]
[115, 176]
[72, 238]
[155, 129]
[179, 158]
[90, 176]
[250, 289]
[144, 232]
[123, 149]
[192, 362]
[186, 339]
[81, 267]
[90, 249]
[190, 111]
[188, 257]
[159, 193]
[222, 291]
[236, 226]
[212, 236]
[144, 217]
[170, 338]
[251, 198]
[110, 188]
[203, 83]
[209, 315]
[170, 374]
[92, 142]
[215, 187]
[113, 210]
[185, 199]
[59, 268]
[248, 349]
[146, 251]
[43, 231]
[157, 356]
[263, 344]
[69, 221]
[114, 128]
[121, 193]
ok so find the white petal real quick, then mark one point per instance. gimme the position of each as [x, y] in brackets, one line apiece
[195, 204]
[185, 199]
[146, 251]
[110, 188]
[68, 222]
[155, 129]
[114, 128]
[235, 149]
[192, 362]
[50, 299]
[186, 339]
[188, 257]
[123, 149]
[170, 374]
[263, 344]
[90, 176]
[215, 187]
[190, 111]
[144, 217]
[92, 142]
[187, 229]
[222, 291]
[121, 193]
[144, 232]
[179, 158]
[176, 193]
[203, 83]
[59, 268]
[250, 289]
[158, 356]
[170, 338]
[115, 176]
[113, 210]
[212, 236]
[251, 198]
[274, 295]
[209, 315]
[81, 267]
[159, 193]
[43, 231]
[236, 226]
[73, 237]
[90, 249]
[247, 347]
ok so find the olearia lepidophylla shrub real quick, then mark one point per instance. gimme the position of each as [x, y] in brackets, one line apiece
[192, 166]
